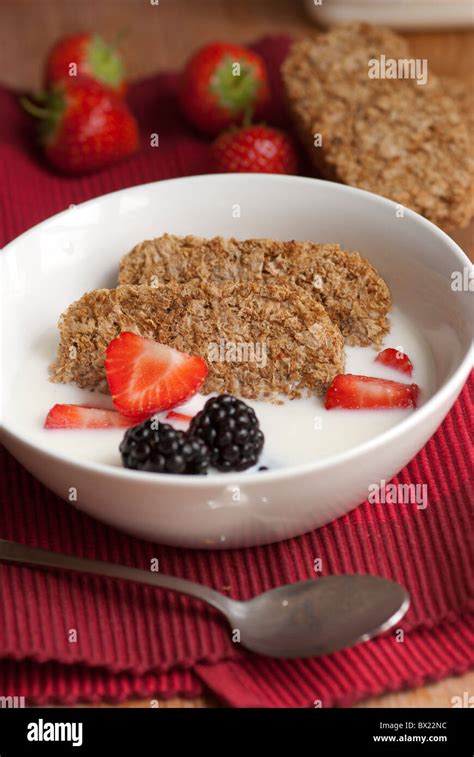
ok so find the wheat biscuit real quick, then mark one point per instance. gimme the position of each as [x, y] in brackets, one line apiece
[297, 350]
[406, 141]
[348, 286]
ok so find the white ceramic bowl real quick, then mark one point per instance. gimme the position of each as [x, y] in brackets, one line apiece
[51, 265]
[410, 14]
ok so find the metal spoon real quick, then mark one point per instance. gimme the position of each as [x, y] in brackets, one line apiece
[304, 619]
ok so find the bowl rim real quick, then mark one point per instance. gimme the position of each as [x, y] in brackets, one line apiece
[450, 387]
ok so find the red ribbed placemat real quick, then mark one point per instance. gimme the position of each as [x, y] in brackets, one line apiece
[136, 641]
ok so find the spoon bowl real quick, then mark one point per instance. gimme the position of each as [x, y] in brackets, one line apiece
[319, 616]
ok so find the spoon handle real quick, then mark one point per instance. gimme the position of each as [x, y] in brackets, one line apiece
[21, 553]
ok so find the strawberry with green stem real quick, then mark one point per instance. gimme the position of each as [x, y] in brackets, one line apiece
[83, 127]
[223, 84]
[86, 55]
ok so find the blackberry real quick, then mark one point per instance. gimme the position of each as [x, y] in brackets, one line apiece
[159, 448]
[231, 431]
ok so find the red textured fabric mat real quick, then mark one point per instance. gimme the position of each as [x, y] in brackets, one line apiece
[137, 641]
[45, 683]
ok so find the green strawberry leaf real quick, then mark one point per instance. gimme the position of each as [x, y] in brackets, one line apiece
[105, 62]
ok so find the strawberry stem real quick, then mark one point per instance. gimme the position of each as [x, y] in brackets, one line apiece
[34, 110]
[237, 93]
[106, 61]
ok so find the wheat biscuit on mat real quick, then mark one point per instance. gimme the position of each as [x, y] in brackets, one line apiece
[463, 93]
[296, 348]
[354, 295]
[392, 136]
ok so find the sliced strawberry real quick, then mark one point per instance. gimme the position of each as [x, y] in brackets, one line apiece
[147, 377]
[360, 392]
[178, 417]
[393, 358]
[85, 416]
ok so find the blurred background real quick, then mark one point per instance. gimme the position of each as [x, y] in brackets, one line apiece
[161, 36]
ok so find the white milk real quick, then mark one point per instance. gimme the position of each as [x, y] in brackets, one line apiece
[299, 431]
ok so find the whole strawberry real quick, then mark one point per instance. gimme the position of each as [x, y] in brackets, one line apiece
[86, 55]
[84, 127]
[221, 85]
[255, 149]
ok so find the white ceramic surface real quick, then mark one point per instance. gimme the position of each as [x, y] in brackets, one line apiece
[54, 263]
[400, 14]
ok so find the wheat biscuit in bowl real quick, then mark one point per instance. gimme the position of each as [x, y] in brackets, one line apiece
[319, 463]
[299, 349]
[354, 295]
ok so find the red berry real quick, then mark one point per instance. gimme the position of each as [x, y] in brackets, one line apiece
[361, 392]
[146, 377]
[221, 84]
[86, 55]
[84, 127]
[84, 416]
[259, 149]
[393, 358]
[172, 416]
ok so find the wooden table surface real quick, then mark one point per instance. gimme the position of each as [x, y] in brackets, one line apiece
[161, 37]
